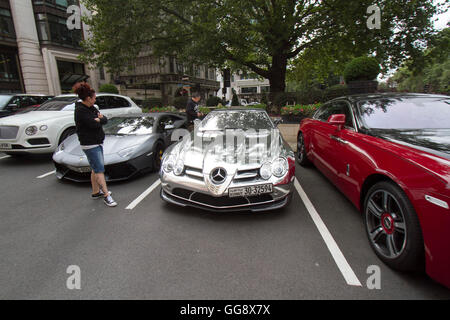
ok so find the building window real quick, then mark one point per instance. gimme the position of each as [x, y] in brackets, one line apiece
[265, 89]
[69, 74]
[249, 90]
[6, 24]
[51, 23]
[9, 71]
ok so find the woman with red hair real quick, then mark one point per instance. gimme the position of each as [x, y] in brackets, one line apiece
[89, 122]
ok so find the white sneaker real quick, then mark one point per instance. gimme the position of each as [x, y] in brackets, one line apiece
[109, 201]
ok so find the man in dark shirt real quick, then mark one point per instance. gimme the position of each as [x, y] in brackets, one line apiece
[192, 112]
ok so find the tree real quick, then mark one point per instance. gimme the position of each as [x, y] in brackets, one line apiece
[432, 73]
[261, 36]
[108, 88]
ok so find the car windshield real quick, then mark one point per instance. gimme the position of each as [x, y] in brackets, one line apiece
[4, 101]
[406, 113]
[58, 104]
[236, 119]
[129, 125]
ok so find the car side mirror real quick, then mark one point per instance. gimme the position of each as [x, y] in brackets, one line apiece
[169, 127]
[337, 120]
[277, 121]
[11, 106]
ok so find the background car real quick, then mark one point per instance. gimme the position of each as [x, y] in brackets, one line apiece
[390, 155]
[11, 104]
[133, 144]
[253, 173]
[45, 127]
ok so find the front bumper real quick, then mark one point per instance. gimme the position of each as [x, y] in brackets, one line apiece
[226, 204]
[113, 172]
[185, 191]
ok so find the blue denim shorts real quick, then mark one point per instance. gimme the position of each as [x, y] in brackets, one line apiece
[96, 159]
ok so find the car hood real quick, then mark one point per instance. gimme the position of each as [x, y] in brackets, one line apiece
[111, 145]
[432, 146]
[436, 141]
[247, 151]
[34, 116]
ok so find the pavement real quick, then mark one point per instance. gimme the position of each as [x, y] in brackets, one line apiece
[160, 251]
[289, 132]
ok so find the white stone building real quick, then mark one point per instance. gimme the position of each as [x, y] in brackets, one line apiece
[38, 52]
[247, 86]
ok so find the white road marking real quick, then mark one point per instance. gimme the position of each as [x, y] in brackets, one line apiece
[349, 276]
[143, 195]
[46, 174]
[4, 157]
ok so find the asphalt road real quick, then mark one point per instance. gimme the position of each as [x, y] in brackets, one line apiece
[159, 251]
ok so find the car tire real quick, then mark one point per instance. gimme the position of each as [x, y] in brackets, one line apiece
[393, 228]
[302, 157]
[68, 132]
[158, 151]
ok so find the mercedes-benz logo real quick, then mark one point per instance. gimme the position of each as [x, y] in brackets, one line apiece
[218, 175]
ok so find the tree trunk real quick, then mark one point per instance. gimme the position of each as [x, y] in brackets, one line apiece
[277, 80]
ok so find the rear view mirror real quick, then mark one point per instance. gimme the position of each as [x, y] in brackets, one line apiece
[337, 119]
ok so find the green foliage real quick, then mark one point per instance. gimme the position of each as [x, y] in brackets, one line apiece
[152, 102]
[108, 88]
[434, 74]
[213, 101]
[159, 109]
[362, 68]
[335, 91]
[235, 100]
[180, 102]
[254, 35]
[298, 109]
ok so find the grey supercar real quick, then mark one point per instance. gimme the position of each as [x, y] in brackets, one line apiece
[133, 144]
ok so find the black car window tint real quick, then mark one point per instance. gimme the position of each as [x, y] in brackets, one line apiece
[328, 111]
[117, 102]
[101, 102]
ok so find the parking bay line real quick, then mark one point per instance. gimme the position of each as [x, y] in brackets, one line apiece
[347, 272]
[5, 157]
[144, 194]
[46, 174]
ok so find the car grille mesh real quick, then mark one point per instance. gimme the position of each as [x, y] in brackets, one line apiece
[8, 132]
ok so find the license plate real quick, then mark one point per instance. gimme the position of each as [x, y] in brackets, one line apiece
[250, 190]
[5, 146]
[80, 169]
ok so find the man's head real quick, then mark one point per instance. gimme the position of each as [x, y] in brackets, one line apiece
[196, 96]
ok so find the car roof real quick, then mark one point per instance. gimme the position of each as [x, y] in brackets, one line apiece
[374, 96]
[26, 95]
[99, 94]
[238, 109]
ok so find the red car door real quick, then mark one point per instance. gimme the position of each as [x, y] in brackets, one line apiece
[324, 145]
[350, 154]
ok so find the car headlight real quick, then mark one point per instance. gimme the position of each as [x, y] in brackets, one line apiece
[31, 130]
[43, 127]
[279, 167]
[169, 163]
[179, 167]
[266, 170]
[127, 151]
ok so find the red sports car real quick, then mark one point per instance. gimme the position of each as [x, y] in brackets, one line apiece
[390, 155]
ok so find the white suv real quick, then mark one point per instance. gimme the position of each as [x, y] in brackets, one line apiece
[44, 128]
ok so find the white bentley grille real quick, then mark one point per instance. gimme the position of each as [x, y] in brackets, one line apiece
[8, 132]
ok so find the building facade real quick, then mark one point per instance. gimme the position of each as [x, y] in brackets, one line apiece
[38, 52]
[247, 86]
[166, 78]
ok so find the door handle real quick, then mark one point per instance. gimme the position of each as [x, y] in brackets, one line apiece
[338, 139]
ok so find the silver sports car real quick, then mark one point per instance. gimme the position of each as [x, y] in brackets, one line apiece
[234, 160]
[133, 144]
